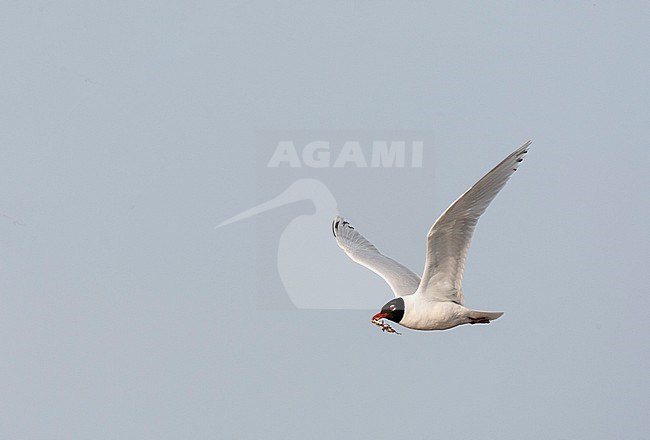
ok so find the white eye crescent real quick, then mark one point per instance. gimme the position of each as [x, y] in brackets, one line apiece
[392, 307]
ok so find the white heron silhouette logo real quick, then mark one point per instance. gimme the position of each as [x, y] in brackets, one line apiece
[312, 268]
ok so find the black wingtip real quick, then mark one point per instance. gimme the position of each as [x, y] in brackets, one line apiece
[338, 222]
[335, 225]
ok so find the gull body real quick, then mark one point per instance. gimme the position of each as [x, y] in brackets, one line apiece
[434, 301]
[425, 314]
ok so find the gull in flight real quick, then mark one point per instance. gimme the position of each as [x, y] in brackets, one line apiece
[435, 301]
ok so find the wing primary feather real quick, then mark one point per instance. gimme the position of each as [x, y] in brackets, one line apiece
[449, 238]
[401, 279]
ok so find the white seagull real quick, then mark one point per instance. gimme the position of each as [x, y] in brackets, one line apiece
[434, 302]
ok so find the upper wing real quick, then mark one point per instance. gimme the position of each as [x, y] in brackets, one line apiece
[449, 237]
[399, 278]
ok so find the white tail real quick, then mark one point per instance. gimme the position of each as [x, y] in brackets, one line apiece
[478, 317]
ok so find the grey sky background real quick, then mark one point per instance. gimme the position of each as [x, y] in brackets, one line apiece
[129, 131]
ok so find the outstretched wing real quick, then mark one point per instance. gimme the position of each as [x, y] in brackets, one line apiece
[399, 278]
[449, 237]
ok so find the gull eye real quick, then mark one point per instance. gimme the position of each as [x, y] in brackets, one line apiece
[392, 307]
